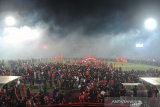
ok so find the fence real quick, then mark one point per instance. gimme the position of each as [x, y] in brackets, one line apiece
[132, 101]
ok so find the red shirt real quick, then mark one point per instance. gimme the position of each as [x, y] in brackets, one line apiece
[81, 98]
[24, 88]
[87, 73]
[111, 82]
[53, 75]
[99, 95]
[49, 73]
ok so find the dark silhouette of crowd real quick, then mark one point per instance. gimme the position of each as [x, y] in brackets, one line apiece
[94, 82]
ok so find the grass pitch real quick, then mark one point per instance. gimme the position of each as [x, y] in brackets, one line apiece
[130, 66]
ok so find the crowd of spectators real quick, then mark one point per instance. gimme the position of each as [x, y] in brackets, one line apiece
[93, 82]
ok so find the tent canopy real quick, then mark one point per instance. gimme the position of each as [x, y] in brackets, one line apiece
[151, 80]
[7, 79]
[131, 84]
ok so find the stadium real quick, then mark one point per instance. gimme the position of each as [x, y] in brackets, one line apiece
[60, 53]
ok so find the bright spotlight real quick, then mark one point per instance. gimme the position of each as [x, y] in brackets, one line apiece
[150, 24]
[10, 20]
[139, 45]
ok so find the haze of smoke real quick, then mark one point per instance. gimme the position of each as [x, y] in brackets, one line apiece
[75, 44]
[81, 38]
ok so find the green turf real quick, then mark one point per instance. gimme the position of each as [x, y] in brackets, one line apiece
[130, 66]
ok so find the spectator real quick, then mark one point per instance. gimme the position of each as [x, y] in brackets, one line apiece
[28, 93]
[135, 91]
[122, 91]
[155, 92]
[93, 81]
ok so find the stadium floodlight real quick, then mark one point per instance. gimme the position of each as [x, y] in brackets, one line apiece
[15, 35]
[10, 21]
[150, 24]
[139, 45]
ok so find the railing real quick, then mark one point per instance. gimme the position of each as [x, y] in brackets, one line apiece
[74, 105]
[132, 101]
[115, 102]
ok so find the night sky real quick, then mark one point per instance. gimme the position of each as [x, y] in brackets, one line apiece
[87, 19]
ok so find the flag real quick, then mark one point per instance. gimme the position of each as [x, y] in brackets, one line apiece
[116, 59]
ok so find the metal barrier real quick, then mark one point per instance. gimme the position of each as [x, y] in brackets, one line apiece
[132, 101]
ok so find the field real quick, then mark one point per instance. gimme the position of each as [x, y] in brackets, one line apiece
[130, 66]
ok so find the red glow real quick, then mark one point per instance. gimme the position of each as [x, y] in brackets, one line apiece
[45, 46]
[89, 58]
[116, 59]
[120, 59]
[55, 57]
[61, 57]
[124, 60]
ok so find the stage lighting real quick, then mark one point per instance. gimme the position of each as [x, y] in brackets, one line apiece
[139, 45]
[10, 21]
[150, 24]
